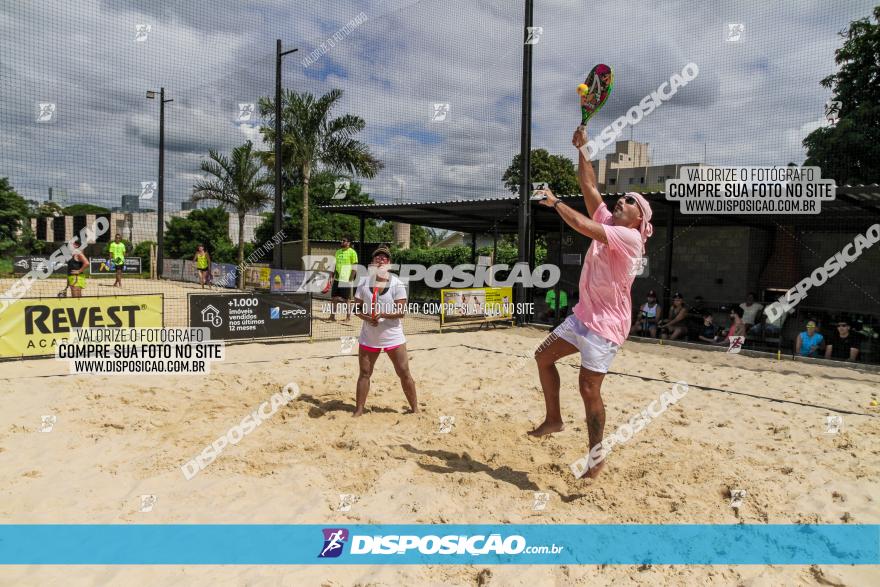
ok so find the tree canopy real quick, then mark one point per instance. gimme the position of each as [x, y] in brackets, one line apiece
[849, 150]
[556, 171]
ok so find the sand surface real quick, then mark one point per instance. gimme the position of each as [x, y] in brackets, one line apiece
[119, 437]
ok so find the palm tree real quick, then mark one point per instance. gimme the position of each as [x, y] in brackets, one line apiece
[311, 139]
[435, 235]
[238, 184]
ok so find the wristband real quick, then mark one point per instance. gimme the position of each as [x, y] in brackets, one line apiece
[556, 203]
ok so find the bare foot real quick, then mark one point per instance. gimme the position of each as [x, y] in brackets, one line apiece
[547, 428]
[357, 414]
[594, 471]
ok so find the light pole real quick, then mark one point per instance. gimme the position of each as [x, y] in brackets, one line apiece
[525, 212]
[276, 253]
[160, 204]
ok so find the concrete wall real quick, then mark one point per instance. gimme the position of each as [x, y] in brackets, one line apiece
[723, 264]
[143, 226]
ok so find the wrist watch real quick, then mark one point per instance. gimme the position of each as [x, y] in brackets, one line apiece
[556, 203]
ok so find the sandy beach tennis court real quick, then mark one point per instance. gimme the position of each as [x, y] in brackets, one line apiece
[116, 438]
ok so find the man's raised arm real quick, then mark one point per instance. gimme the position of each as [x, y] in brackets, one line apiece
[586, 175]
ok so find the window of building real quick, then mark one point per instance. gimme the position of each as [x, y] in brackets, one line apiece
[612, 181]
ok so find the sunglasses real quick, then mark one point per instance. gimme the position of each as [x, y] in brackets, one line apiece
[630, 200]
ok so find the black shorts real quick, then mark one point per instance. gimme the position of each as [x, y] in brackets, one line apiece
[343, 289]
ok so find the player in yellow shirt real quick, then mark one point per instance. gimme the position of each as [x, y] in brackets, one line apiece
[202, 260]
[117, 255]
[343, 282]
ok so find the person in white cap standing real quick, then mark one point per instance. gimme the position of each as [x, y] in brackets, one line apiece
[600, 322]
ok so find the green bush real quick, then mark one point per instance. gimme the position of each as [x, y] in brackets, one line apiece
[142, 250]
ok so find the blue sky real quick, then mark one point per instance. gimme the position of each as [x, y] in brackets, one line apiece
[752, 103]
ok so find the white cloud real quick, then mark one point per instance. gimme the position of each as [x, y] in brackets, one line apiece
[752, 103]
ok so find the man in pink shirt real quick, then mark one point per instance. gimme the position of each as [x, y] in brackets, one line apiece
[600, 322]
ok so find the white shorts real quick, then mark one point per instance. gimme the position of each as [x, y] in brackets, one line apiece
[597, 352]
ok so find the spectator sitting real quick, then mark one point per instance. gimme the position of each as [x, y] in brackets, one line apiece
[770, 327]
[751, 311]
[676, 326]
[737, 324]
[699, 307]
[550, 300]
[809, 343]
[695, 318]
[844, 346]
[710, 332]
[649, 314]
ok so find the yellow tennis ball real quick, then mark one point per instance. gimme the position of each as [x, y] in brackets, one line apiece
[873, 402]
[583, 89]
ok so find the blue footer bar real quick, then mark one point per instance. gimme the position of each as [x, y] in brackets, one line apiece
[252, 544]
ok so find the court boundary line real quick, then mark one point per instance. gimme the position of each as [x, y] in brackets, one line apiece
[478, 348]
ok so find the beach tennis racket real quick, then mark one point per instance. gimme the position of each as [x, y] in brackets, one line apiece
[373, 311]
[595, 91]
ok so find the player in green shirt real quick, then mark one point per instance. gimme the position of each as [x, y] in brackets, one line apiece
[344, 278]
[117, 255]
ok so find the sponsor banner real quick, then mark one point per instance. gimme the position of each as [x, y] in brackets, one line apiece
[286, 280]
[476, 544]
[190, 272]
[251, 315]
[224, 275]
[25, 263]
[172, 269]
[257, 276]
[104, 265]
[478, 304]
[34, 327]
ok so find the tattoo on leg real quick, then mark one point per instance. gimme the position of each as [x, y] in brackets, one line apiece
[595, 427]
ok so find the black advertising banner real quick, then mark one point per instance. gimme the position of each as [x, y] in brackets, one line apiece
[172, 269]
[251, 315]
[25, 263]
[103, 265]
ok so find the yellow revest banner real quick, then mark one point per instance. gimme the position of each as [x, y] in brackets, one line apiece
[258, 277]
[476, 304]
[33, 327]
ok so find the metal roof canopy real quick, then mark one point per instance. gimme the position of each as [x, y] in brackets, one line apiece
[852, 206]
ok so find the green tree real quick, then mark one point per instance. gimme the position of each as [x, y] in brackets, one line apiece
[329, 225]
[325, 225]
[13, 217]
[849, 150]
[239, 184]
[82, 209]
[205, 226]
[555, 170]
[142, 250]
[313, 141]
[46, 210]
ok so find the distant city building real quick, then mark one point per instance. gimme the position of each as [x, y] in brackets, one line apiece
[130, 203]
[58, 196]
[189, 205]
[629, 169]
[137, 227]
